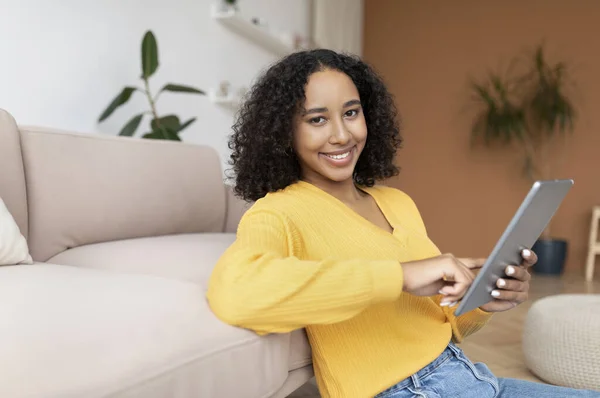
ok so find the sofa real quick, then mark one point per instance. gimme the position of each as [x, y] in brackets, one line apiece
[122, 234]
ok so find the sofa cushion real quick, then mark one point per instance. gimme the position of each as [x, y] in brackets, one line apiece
[89, 333]
[300, 351]
[187, 257]
[89, 188]
[13, 246]
[12, 174]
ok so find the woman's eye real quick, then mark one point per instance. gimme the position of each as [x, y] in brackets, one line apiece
[351, 113]
[317, 120]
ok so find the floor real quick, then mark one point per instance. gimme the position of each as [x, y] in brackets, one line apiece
[499, 343]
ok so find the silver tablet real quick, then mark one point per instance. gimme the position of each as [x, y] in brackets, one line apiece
[524, 229]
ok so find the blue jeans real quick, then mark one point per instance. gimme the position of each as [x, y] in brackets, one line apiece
[452, 374]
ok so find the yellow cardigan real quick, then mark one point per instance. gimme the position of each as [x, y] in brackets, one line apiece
[303, 259]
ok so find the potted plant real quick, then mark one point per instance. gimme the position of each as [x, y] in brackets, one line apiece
[531, 112]
[165, 127]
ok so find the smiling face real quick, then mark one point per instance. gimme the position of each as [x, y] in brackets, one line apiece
[330, 131]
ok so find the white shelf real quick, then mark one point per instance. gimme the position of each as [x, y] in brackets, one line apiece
[230, 101]
[232, 20]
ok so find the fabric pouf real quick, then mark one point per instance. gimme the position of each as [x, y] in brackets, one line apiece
[561, 340]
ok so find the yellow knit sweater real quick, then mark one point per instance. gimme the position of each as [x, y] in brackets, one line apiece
[303, 259]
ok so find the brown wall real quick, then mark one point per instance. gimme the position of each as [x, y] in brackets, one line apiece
[426, 50]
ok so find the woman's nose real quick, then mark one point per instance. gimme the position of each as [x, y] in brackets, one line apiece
[339, 134]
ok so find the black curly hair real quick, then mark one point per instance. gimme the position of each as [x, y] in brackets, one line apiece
[262, 156]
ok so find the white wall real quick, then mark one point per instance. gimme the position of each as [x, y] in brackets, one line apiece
[62, 61]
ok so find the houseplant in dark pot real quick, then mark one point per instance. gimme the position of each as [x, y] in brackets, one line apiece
[530, 112]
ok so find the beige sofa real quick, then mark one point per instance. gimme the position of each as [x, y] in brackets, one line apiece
[124, 233]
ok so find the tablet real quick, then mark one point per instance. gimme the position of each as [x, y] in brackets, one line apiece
[524, 229]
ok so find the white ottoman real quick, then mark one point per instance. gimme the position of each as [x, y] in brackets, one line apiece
[561, 340]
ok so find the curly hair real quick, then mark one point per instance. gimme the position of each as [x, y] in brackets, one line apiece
[262, 156]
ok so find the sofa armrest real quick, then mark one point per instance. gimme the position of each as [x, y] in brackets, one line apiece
[236, 208]
[90, 188]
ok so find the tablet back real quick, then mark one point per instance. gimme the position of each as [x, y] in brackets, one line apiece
[530, 220]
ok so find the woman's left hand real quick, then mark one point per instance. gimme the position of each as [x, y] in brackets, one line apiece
[514, 290]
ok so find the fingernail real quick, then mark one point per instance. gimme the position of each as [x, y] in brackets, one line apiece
[510, 270]
[501, 283]
[442, 293]
[495, 293]
[448, 303]
[526, 253]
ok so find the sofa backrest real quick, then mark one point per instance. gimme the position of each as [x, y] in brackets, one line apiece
[89, 188]
[12, 177]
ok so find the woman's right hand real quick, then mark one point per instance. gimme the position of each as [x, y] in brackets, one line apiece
[444, 274]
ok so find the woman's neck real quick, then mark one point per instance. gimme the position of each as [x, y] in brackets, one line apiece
[345, 191]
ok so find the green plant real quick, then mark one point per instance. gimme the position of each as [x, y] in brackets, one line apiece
[529, 111]
[165, 127]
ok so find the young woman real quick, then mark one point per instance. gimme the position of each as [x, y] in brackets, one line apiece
[324, 248]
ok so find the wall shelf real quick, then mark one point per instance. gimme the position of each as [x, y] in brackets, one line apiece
[259, 35]
[229, 101]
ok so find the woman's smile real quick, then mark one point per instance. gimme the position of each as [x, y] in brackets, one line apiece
[340, 158]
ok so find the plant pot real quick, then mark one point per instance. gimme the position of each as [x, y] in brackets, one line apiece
[551, 255]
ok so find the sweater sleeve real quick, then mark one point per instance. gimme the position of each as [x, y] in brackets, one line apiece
[465, 324]
[469, 323]
[259, 283]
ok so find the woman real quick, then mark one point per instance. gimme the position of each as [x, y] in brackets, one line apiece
[324, 248]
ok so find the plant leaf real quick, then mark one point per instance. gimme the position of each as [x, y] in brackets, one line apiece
[153, 136]
[119, 100]
[149, 55]
[129, 129]
[178, 88]
[162, 135]
[169, 122]
[172, 137]
[186, 124]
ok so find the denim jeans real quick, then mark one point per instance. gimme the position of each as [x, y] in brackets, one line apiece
[452, 374]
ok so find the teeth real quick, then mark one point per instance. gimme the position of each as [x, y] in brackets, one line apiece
[341, 156]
